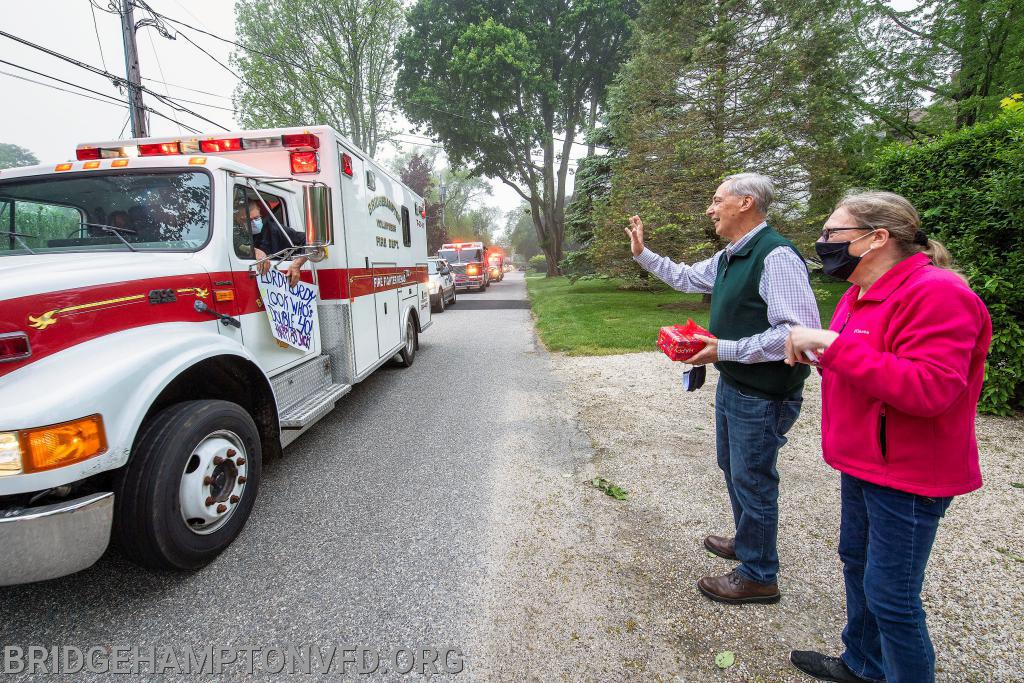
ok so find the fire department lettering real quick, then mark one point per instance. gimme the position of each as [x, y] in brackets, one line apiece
[386, 281]
[383, 201]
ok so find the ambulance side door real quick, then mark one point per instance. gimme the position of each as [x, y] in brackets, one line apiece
[271, 354]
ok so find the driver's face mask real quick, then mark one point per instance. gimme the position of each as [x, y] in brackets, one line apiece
[693, 377]
[257, 226]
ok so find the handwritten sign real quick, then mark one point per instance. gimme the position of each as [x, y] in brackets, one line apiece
[291, 310]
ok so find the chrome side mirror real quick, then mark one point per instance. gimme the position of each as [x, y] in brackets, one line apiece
[319, 218]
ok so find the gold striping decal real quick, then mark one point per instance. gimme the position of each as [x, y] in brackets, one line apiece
[43, 321]
[50, 317]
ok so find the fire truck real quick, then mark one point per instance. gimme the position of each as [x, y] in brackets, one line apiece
[142, 381]
[468, 263]
[496, 264]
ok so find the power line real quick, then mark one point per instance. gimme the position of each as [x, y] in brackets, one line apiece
[118, 103]
[111, 100]
[118, 80]
[96, 28]
[281, 60]
[182, 87]
[152, 46]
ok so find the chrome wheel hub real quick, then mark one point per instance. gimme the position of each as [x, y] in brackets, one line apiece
[213, 482]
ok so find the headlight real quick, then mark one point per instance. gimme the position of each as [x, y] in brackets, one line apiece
[432, 285]
[10, 454]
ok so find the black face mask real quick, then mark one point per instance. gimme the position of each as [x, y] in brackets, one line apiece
[836, 259]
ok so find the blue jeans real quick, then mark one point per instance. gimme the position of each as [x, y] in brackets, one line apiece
[750, 431]
[885, 538]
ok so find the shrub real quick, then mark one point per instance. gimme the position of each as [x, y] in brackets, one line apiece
[969, 188]
[576, 264]
[539, 263]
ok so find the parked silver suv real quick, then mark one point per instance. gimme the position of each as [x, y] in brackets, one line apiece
[441, 284]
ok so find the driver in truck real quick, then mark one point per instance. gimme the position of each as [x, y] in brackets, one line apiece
[267, 239]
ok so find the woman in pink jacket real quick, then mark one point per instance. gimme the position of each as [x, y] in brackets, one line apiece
[902, 366]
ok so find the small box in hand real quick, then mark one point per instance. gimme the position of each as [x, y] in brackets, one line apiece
[678, 341]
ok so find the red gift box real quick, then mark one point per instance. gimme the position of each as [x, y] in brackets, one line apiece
[678, 341]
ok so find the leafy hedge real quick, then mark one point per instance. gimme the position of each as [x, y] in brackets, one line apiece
[969, 188]
[539, 263]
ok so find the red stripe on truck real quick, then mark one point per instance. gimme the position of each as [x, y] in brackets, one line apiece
[55, 321]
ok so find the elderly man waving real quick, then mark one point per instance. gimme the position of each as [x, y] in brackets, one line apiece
[759, 287]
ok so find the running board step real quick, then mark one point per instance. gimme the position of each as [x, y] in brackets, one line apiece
[307, 412]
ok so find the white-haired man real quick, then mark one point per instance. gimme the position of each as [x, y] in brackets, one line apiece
[759, 287]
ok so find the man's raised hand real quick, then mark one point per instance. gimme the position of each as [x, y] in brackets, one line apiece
[636, 235]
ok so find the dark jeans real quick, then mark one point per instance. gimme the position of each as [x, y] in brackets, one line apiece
[885, 538]
[750, 432]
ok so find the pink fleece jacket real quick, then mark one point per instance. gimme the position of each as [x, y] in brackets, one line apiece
[900, 385]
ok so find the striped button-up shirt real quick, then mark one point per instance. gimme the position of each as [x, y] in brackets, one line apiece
[784, 287]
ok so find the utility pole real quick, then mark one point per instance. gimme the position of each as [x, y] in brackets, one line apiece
[442, 195]
[136, 107]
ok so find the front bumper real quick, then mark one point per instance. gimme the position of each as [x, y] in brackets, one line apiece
[474, 282]
[54, 540]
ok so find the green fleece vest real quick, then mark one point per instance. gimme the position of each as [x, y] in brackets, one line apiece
[737, 310]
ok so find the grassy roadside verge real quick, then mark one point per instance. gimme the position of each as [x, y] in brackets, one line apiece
[596, 318]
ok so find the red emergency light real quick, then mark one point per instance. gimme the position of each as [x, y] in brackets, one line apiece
[88, 153]
[224, 145]
[346, 165]
[159, 149]
[301, 140]
[305, 162]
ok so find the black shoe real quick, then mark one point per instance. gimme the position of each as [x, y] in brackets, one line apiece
[824, 668]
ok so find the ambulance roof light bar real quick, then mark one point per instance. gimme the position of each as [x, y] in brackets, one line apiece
[290, 141]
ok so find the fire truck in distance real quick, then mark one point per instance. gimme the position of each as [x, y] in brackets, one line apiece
[496, 264]
[469, 264]
[142, 383]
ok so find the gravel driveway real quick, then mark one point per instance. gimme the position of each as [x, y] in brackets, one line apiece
[605, 589]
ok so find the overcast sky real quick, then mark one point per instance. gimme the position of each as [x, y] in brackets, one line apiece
[50, 123]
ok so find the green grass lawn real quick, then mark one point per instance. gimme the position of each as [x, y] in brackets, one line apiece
[596, 317]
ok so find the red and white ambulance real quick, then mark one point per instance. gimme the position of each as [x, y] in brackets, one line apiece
[142, 381]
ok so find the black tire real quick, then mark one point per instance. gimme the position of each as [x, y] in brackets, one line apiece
[440, 303]
[407, 355]
[149, 524]
[455, 295]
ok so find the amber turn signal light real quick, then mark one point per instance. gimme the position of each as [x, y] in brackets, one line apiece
[45, 448]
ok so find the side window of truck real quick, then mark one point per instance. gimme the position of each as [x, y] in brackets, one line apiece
[241, 229]
[406, 232]
[253, 226]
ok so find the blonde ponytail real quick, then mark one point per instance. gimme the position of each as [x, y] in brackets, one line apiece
[876, 209]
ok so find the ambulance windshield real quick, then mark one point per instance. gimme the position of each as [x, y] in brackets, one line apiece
[97, 211]
[461, 255]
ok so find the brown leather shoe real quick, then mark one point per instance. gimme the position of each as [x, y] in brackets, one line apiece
[736, 589]
[721, 546]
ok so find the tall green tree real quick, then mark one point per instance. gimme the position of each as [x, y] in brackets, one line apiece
[318, 62]
[507, 86]
[704, 94]
[944, 64]
[12, 156]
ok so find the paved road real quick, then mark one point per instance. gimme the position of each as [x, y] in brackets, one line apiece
[377, 529]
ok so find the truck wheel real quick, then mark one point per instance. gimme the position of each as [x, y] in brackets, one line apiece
[408, 353]
[189, 486]
[455, 296]
[440, 303]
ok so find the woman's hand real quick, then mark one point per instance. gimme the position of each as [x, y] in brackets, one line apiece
[803, 339]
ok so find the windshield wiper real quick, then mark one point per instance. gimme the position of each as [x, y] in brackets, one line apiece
[116, 232]
[18, 236]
